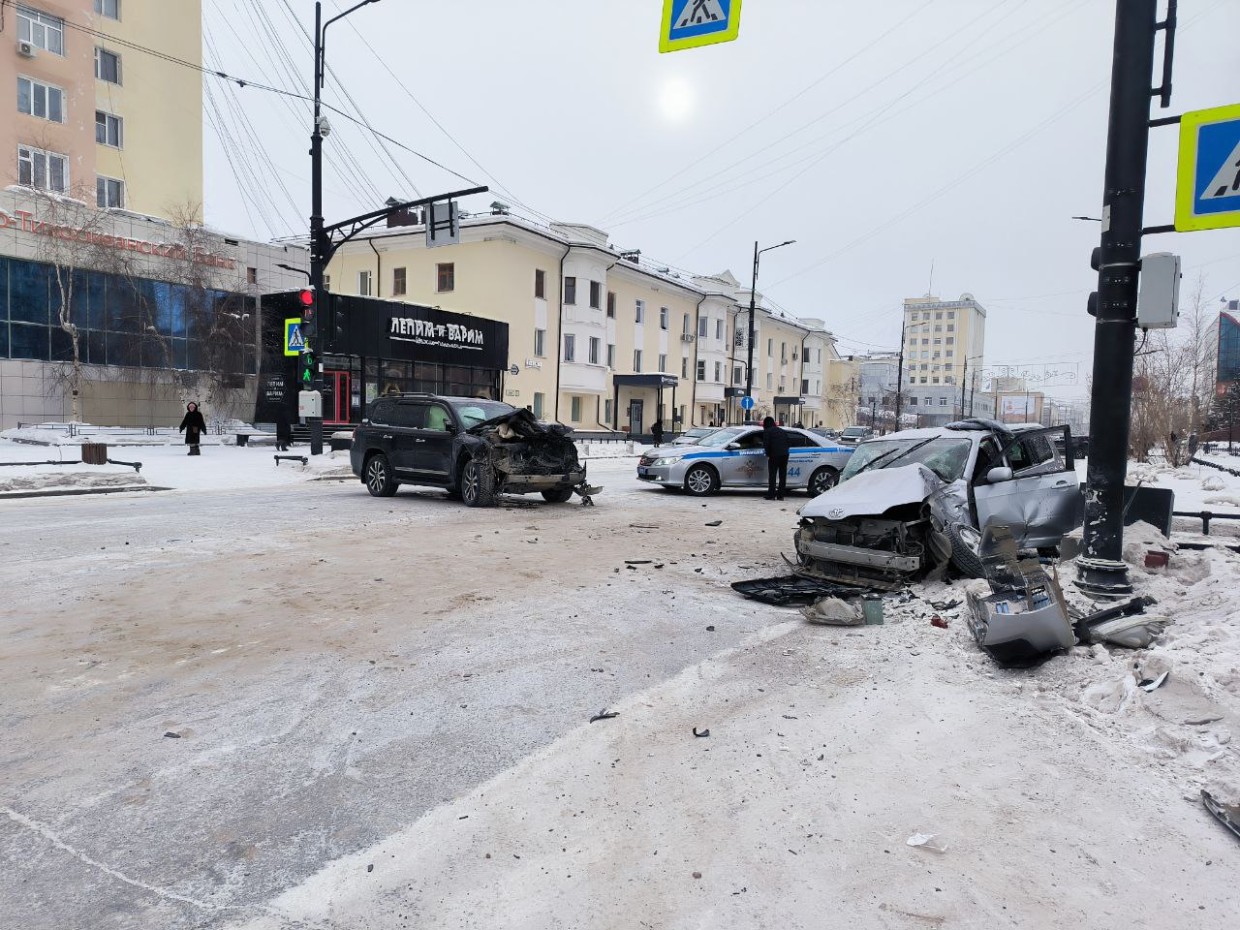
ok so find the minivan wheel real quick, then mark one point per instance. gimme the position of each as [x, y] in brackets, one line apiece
[379, 480]
[558, 496]
[822, 480]
[477, 485]
[701, 480]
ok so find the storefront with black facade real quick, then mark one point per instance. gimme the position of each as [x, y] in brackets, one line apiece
[373, 347]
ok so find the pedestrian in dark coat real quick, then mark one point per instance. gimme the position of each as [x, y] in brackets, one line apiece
[284, 431]
[656, 430]
[193, 426]
[775, 444]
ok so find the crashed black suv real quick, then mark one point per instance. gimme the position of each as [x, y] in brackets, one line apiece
[476, 449]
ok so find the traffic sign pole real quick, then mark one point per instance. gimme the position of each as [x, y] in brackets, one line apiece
[1102, 571]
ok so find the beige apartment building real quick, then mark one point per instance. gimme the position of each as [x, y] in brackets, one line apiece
[944, 341]
[96, 118]
[599, 338]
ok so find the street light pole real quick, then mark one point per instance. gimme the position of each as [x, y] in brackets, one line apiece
[753, 290]
[319, 244]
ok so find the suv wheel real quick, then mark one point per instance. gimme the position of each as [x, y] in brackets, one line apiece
[379, 480]
[477, 485]
[558, 496]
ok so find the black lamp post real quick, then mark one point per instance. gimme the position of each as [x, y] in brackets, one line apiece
[752, 310]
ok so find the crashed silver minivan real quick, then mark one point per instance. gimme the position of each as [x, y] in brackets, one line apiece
[911, 501]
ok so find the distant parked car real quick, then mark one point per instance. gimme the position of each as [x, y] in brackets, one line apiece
[690, 436]
[855, 434]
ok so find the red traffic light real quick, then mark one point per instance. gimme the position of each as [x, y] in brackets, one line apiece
[306, 296]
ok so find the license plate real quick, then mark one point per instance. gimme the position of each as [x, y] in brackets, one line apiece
[643, 471]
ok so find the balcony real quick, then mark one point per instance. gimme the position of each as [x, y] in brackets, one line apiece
[583, 378]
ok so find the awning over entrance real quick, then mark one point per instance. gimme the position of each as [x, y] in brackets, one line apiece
[789, 401]
[637, 419]
[657, 381]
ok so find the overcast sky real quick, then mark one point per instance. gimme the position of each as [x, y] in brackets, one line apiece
[884, 137]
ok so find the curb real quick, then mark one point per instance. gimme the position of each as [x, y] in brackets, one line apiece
[77, 492]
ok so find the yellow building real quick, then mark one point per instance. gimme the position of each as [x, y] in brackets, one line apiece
[95, 117]
[599, 338]
[944, 341]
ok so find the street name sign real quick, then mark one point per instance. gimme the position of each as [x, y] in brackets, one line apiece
[1207, 194]
[693, 23]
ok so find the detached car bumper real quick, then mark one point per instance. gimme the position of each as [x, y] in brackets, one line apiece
[525, 484]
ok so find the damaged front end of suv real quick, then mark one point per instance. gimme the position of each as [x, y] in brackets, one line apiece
[516, 454]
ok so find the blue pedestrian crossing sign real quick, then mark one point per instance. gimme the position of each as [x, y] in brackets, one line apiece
[747, 402]
[1207, 193]
[692, 23]
[294, 339]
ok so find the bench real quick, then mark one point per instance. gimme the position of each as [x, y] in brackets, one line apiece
[291, 458]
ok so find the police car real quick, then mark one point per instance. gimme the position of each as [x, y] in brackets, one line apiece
[732, 457]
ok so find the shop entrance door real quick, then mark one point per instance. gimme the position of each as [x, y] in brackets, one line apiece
[636, 411]
[337, 397]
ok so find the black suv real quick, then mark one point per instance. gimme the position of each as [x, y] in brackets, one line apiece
[476, 449]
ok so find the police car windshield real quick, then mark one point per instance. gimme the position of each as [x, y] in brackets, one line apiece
[473, 412]
[945, 457]
[720, 438]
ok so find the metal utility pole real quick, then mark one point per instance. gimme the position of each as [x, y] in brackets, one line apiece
[1102, 571]
[964, 382]
[900, 363]
[753, 290]
[319, 244]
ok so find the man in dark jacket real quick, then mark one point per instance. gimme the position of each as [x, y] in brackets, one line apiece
[776, 445]
[656, 430]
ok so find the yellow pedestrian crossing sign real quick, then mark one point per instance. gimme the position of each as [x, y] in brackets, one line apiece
[1207, 192]
[294, 340]
[693, 23]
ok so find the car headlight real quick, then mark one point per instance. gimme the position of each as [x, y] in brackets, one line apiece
[672, 460]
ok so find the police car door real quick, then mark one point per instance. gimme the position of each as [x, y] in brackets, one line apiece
[804, 455]
[745, 465]
[1036, 492]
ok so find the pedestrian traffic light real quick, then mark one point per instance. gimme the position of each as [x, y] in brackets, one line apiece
[308, 362]
[306, 298]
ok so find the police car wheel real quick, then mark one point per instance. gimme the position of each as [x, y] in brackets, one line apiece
[822, 480]
[701, 480]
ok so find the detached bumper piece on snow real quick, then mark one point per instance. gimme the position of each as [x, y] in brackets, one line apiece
[1026, 618]
[792, 591]
[871, 553]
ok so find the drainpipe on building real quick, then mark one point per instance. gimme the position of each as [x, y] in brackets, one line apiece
[697, 335]
[559, 335]
[378, 268]
[801, 379]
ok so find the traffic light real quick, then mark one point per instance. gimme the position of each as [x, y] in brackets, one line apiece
[305, 297]
[1095, 262]
[339, 322]
[308, 362]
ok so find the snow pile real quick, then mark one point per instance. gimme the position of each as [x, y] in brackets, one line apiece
[26, 480]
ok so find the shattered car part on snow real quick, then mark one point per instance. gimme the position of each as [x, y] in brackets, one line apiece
[1226, 814]
[1025, 617]
[910, 502]
[1121, 625]
[477, 449]
[792, 591]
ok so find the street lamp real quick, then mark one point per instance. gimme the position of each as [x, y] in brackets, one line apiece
[318, 238]
[752, 292]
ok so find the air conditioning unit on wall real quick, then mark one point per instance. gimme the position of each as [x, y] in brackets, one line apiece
[27, 49]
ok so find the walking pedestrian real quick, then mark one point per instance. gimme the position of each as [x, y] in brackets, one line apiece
[1192, 444]
[284, 430]
[193, 426]
[776, 445]
[656, 430]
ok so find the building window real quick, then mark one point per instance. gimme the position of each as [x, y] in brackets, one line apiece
[684, 325]
[951, 314]
[951, 340]
[540, 342]
[35, 98]
[718, 329]
[594, 344]
[770, 347]
[540, 284]
[46, 171]
[570, 292]
[912, 401]
[108, 129]
[107, 66]
[939, 315]
[701, 369]
[805, 385]
[611, 355]
[399, 282]
[662, 363]
[570, 347]
[41, 30]
[929, 402]
[538, 405]
[109, 8]
[611, 304]
[951, 327]
[769, 380]
[251, 276]
[327, 282]
[684, 367]
[445, 277]
[718, 371]
[640, 311]
[703, 327]
[663, 313]
[574, 407]
[607, 410]
[596, 296]
[110, 192]
[363, 283]
[934, 379]
[736, 375]
[637, 360]
[942, 401]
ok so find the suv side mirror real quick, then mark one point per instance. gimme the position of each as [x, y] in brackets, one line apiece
[451, 428]
[999, 475]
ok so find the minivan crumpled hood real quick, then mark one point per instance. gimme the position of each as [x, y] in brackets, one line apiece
[872, 493]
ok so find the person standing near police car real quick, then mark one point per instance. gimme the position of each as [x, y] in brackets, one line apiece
[776, 445]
